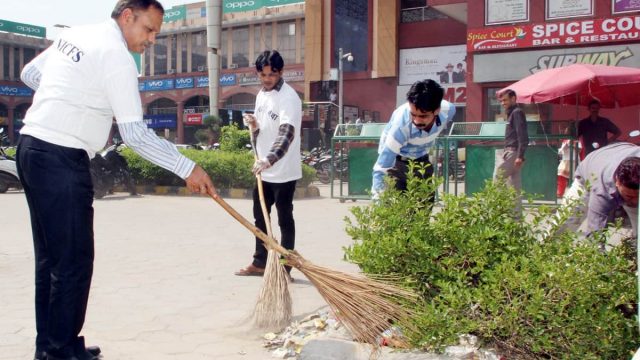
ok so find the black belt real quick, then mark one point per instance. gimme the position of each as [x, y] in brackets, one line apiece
[421, 159]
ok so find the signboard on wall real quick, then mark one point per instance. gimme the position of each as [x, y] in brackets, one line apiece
[558, 9]
[175, 13]
[497, 67]
[505, 11]
[184, 83]
[624, 6]
[444, 64]
[160, 121]
[229, 6]
[193, 119]
[24, 29]
[566, 33]
[20, 91]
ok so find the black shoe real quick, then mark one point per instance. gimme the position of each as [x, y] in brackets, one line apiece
[40, 355]
[80, 352]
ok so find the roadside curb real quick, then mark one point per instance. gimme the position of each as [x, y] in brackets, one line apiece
[310, 191]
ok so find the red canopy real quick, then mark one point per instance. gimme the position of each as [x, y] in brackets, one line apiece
[613, 86]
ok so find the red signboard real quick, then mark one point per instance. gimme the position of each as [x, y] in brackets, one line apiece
[193, 119]
[567, 33]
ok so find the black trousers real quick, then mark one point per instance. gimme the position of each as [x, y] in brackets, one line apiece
[400, 172]
[58, 187]
[280, 194]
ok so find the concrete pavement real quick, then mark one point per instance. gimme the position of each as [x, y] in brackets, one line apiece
[163, 285]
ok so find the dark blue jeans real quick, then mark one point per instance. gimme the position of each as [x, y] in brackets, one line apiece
[58, 187]
[280, 194]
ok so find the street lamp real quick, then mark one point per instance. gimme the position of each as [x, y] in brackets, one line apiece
[341, 57]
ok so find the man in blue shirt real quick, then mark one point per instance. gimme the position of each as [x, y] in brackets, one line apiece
[410, 133]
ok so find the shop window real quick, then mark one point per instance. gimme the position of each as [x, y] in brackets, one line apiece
[240, 43]
[351, 33]
[161, 53]
[495, 112]
[199, 51]
[287, 41]
[183, 52]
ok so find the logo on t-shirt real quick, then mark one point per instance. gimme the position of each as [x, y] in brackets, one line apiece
[69, 50]
[273, 115]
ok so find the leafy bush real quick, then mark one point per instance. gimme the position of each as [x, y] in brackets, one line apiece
[482, 272]
[11, 151]
[227, 169]
[234, 139]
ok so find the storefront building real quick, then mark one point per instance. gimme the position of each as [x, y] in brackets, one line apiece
[175, 83]
[508, 40]
[19, 43]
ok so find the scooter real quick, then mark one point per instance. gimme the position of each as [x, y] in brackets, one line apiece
[8, 172]
[108, 170]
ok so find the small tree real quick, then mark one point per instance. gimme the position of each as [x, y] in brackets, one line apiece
[212, 125]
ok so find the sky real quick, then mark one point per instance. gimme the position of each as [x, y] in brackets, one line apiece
[47, 13]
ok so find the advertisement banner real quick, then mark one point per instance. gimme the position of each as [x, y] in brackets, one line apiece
[156, 85]
[184, 83]
[230, 6]
[624, 6]
[497, 67]
[444, 64]
[20, 91]
[505, 11]
[202, 81]
[161, 121]
[24, 29]
[568, 33]
[175, 13]
[454, 93]
[558, 9]
[193, 119]
[227, 79]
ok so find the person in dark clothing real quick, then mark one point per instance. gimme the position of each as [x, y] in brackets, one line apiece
[516, 139]
[594, 130]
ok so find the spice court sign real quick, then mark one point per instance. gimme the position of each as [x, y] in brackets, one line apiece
[24, 29]
[579, 32]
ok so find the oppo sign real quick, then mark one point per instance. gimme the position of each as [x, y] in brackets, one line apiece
[240, 5]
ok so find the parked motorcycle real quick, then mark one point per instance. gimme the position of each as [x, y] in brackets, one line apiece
[320, 159]
[8, 172]
[108, 170]
[456, 169]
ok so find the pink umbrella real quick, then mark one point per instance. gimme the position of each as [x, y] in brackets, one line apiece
[578, 84]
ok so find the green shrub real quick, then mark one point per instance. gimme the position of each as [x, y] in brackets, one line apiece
[227, 169]
[482, 272]
[11, 152]
[234, 139]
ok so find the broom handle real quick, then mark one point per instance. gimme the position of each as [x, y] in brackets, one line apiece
[268, 240]
[263, 205]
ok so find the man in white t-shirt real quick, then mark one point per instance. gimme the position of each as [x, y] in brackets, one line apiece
[275, 128]
[83, 80]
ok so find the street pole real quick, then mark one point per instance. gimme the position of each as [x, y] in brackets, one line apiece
[214, 38]
[340, 109]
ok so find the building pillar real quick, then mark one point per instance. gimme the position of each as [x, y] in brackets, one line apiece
[10, 119]
[180, 124]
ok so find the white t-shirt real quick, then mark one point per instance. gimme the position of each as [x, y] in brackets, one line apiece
[75, 104]
[274, 108]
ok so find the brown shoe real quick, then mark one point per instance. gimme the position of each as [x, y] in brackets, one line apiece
[250, 270]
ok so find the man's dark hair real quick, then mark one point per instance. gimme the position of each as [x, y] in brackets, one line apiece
[628, 172]
[509, 93]
[594, 101]
[121, 5]
[270, 58]
[426, 95]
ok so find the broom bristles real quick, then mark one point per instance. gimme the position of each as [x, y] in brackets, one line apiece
[367, 307]
[274, 307]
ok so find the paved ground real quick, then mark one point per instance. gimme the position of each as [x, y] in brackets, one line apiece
[163, 285]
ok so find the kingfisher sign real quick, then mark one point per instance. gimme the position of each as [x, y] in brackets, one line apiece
[568, 33]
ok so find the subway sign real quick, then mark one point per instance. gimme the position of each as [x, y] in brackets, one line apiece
[24, 29]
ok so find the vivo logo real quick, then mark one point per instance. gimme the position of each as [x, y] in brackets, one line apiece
[227, 78]
[185, 81]
[155, 83]
[9, 89]
[239, 4]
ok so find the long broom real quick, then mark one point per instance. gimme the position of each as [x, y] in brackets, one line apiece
[274, 306]
[367, 307]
